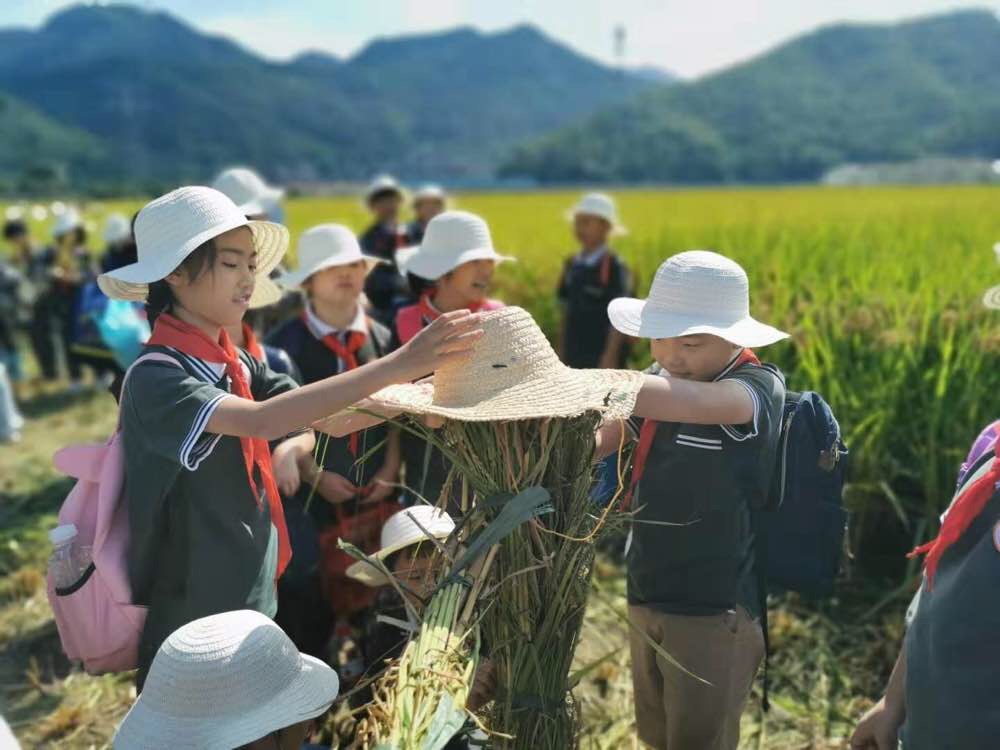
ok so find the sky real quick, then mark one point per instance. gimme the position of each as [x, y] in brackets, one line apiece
[687, 37]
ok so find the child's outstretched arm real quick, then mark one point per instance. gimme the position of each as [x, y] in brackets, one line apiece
[668, 399]
[449, 338]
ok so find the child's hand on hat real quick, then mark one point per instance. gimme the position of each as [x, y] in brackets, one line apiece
[447, 340]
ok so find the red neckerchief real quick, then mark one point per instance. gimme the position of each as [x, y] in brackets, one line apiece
[963, 512]
[169, 331]
[431, 313]
[649, 426]
[251, 344]
[348, 353]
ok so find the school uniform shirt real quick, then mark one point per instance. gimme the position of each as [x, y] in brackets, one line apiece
[705, 480]
[302, 338]
[385, 287]
[201, 543]
[586, 287]
[951, 644]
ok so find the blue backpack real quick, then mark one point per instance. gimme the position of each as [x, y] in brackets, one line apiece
[801, 531]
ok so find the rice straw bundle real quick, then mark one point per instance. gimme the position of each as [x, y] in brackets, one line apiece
[533, 610]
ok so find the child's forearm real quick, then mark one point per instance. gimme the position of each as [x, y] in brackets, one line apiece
[609, 438]
[667, 399]
[301, 407]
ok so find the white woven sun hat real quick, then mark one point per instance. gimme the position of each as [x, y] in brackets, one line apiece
[431, 192]
[695, 292]
[247, 189]
[452, 238]
[992, 297]
[67, 220]
[383, 183]
[600, 205]
[408, 526]
[222, 682]
[171, 227]
[117, 228]
[512, 374]
[322, 247]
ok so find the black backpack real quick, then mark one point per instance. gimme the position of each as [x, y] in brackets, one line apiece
[801, 531]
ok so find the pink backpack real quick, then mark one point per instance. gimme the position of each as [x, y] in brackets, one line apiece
[97, 622]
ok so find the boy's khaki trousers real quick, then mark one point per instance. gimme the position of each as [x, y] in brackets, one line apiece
[675, 711]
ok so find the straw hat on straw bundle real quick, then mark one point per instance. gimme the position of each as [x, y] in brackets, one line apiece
[514, 374]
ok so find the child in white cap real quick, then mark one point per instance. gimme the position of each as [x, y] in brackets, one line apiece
[232, 681]
[707, 447]
[428, 201]
[385, 289]
[206, 436]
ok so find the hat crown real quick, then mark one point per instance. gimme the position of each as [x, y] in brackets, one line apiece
[117, 228]
[327, 241]
[223, 666]
[453, 232]
[68, 220]
[512, 351]
[173, 220]
[404, 527]
[241, 185]
[703, 285]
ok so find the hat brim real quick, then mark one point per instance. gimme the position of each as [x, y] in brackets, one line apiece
[634, 317]
[309, 695]
[365, 573]
[132, 282]
[617, 228]
[433, 268]
[563, 393]
[371, 195]
[265, 293]
[992, 298]
[293, 279]
[263, 204]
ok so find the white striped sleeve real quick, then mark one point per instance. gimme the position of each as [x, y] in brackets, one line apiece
[199, 444]
[739, 433]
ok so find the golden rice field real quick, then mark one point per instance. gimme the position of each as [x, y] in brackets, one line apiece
[880, 289]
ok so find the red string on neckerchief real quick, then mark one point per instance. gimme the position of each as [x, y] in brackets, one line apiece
[169, 331]
[963, 512]
[348, 353]
[251, 344]
[649, 427]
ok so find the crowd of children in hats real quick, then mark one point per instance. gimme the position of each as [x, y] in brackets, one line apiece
[243, 466]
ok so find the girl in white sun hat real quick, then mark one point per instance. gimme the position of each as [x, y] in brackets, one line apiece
[201, 481]
[231, 680]
[428, 201]
[707, 446]
[252, 195]
[451, 270]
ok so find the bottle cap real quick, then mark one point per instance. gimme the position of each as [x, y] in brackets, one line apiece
[62, 534]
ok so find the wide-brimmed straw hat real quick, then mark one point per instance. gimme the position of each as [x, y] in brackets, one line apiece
[697, 292]
[248, 191]
[171, 227]
[992, 297]
[224, 681]
[600, 205]
[407, 527]
[117, 228]
[452, 238]
[513, 373]
[322, 247]
[382, 184]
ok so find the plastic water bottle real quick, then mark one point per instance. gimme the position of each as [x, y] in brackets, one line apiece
[69, 559]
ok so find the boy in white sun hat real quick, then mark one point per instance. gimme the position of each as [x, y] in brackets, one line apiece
[385, 290]
[591, 278]
[200, 475]
[451, 270]
[231, 680]
[707, 446]
[334, 335]
[428, 201]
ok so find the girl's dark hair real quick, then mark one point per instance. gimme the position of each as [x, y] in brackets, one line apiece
[161, 297]
[419, 286]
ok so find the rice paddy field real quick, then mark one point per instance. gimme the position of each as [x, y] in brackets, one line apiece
[880, 289]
